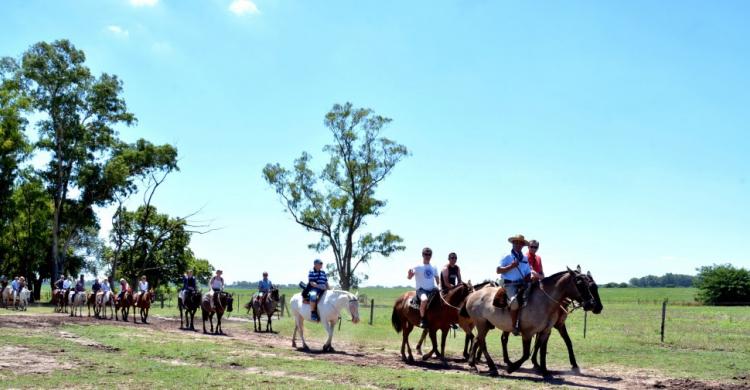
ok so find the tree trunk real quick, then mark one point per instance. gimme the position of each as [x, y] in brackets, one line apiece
[37, 289]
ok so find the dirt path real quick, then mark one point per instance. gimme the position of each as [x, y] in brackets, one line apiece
[601, 377]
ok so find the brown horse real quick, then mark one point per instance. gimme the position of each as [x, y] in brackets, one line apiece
[265, 305]
[442, 311]
[123, 304]
[207, 311]
[58, 300]
[91, 302]
[143, 302]
[465, 323]
[539, 315]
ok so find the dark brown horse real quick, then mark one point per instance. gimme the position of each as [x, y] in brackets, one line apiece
[442, 311]
[207, 311]
[123, 304]
[91, 302]
[142, 301]
[190, 304]
[58, 299]
[265, 305]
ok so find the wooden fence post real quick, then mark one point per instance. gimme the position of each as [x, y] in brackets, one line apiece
[339, 324]
[283, 304]
[585, 318]
[372, 309]
[663, 317]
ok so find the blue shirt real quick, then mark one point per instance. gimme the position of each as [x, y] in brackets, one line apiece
[516, 274]
[265, 285]
[318, 277]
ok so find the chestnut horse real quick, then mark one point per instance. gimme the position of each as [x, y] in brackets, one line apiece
[442, 311]
[58, 299]
[224, 305]
[91, 302]
[265, 305]
[143, 302]
[189, 302]
[122, 305]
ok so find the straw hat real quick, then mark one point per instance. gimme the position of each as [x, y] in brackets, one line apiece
[518, 237]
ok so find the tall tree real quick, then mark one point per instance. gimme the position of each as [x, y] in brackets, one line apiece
[81, 113]
[336, 202]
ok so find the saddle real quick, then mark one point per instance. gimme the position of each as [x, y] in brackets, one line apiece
[501, 298]
[415, 301]
[306, 293]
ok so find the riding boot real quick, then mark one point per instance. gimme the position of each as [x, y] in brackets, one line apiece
[314, 311]
[514, 318]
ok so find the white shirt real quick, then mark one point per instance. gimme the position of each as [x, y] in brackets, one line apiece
[217, 283]
[518, 273]
[105, 287]
[66, 284]
[425, 276]
[143, 286]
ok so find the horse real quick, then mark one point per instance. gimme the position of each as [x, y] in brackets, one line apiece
[189, 301]
[77, 301]
[58, 300]
[265, 305]
[66, 300]
[23, 299]
[143, 302]
[466, 324]
[7, 296]
[224, 304]
[104, 299]
[91, 302]
[539, 314]
[123, 304]
[329, 310]
[441, 313]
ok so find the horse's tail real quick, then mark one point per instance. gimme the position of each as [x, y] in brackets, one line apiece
[395, 318]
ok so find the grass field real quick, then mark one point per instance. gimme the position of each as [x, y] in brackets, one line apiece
[708, 344]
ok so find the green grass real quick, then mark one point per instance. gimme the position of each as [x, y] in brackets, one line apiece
[701, 342]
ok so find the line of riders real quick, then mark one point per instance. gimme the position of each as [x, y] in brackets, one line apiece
[14, 294]
[525, 303]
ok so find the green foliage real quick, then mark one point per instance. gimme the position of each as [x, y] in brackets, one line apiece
[202, 270]
[723, 285]
[336, 201]
[668, 280]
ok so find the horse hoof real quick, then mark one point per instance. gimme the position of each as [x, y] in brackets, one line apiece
[410, 359]
[576, 370]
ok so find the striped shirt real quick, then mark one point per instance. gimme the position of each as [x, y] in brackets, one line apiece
[318, 277]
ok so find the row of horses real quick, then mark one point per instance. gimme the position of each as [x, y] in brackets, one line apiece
[18, 300]
[476, 307]
[101, 301]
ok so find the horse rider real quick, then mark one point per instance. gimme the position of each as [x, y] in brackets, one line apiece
[217, 286]
[124, 286]
[515, 272]
[189, 284]
[264, 287]
[96, 287]
[535, 261]
[142, 288]
[105, 286]
[426, 282]
[450, 276]
[59, 283]
[66, 284]
[80, 287]
[3, 282]
[317, 284]
[14, 286]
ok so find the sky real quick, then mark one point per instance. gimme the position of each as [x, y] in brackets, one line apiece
[614, 133]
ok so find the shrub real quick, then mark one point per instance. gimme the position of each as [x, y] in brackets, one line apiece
[723, 285]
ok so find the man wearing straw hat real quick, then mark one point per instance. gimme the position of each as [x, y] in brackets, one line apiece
[515, 271]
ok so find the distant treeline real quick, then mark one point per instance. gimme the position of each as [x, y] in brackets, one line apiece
[668, 280]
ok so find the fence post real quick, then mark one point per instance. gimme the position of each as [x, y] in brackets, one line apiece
[585, 318]
[283, 304]
[663, 317]
[372, 309]
[339, 324]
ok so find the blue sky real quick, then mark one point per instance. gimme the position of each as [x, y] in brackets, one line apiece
[615, 133]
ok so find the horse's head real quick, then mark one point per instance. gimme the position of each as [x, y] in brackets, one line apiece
[275, 294]
[354, 307]
[598, 307]
[582, 290]
[458, 293]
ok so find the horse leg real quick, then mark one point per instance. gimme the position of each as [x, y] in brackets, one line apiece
[480, 346]
[504, 342]
[543, 357]
[329, 328]
[301, 327]
[433, 339]
[218, 323]
[407, 330]
[421, 340]
[443, 336]
[526, 353]
[569, 344]
[535, 351]
[468, 344]
[205, 316]
[269, 323]
[211, 321]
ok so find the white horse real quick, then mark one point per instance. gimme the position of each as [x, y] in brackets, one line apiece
[101, 302]
[329, 309]
[23, 299]
[77, 303]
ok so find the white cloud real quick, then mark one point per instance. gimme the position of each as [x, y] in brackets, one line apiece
[118, 31]
[143, 3]
[241, 7]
